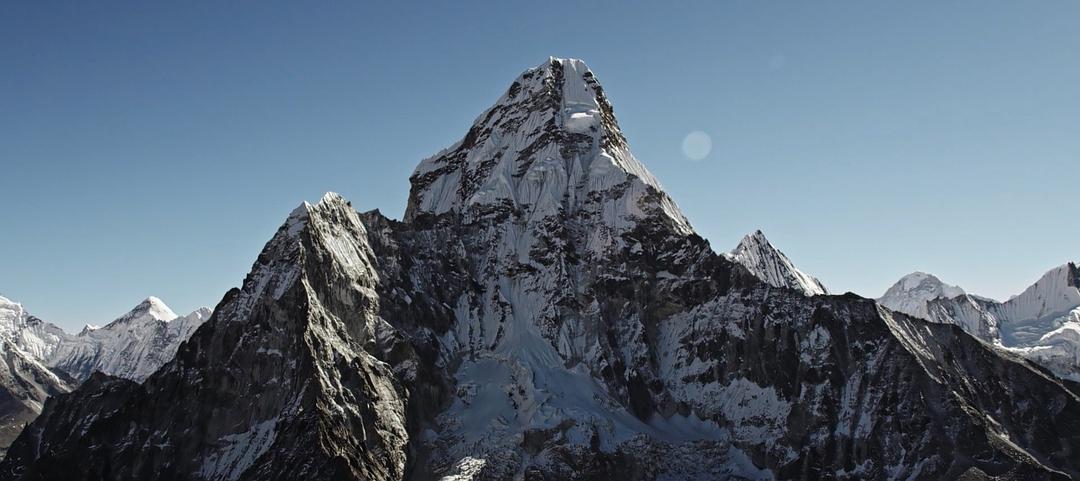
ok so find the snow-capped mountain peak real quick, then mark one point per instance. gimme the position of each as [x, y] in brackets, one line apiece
[769, 264]
[550, 147]
[911, 293]
[150, 309]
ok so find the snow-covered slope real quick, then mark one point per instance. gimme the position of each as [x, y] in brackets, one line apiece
[770, 265]
[545, 312]
[1039, 323]
[1055, 293]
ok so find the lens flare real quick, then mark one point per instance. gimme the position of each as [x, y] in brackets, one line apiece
[697, 145]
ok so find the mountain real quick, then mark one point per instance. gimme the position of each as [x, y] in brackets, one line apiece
[25, 383]
[41, 360]
[758, 256]
[132, 347]
[911, 293]
[32, 336]
[544, 311]
[1042, 323]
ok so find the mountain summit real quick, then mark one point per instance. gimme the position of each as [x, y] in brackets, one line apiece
[911, 293]
[549, 148]
[545, 312]
[758, 255]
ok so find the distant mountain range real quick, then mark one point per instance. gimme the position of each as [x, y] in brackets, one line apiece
[1042, 323]
[41, 360]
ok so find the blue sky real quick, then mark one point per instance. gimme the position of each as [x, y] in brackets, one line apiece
[151, 149]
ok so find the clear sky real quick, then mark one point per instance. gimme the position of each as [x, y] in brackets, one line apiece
[151, 148]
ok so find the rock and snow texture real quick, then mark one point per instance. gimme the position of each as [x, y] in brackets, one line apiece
[34, 337]
[1053, 295]
[757, 255]
[1042, 323]
[545, 312]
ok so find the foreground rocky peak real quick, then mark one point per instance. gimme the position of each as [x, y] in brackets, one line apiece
[769, 264]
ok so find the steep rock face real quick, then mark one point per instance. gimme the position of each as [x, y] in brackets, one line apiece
[1040, 323]
[277, 385]
[545, 312]
[132, 347]
[570, 356]
[758, 256]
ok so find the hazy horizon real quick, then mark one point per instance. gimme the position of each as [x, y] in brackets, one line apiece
[153, 149]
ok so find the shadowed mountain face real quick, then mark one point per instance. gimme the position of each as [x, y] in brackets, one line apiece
[546, 312]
